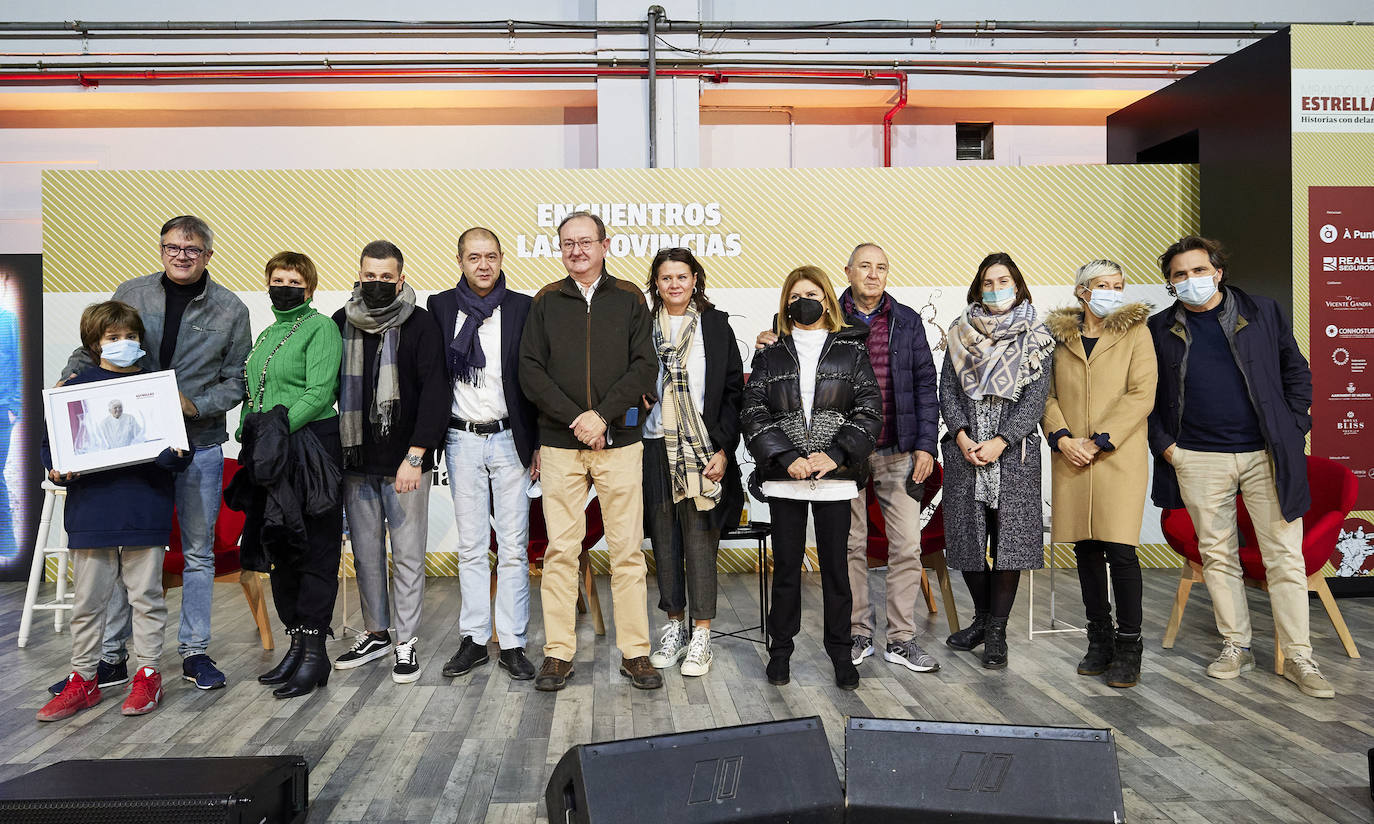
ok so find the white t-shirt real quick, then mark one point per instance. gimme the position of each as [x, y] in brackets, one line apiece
[487, 402]
[696, 377]
[809, 343]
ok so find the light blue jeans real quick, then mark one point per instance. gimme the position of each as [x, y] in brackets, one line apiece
[485, 474]
[374, 508]
[198, 493]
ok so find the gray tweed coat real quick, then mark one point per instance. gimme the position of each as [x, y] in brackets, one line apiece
[1020, 538]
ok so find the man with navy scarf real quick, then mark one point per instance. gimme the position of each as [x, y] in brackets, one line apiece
[490, 451]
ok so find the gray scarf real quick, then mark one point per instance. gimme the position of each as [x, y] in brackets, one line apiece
[387, 323]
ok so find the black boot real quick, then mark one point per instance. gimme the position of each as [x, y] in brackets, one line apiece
[1125, 668]
[995, 644]
[313, 670]
[284, 669]
[971, 635]
[1101, 644]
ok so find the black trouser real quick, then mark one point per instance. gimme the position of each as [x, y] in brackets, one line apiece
[789, 544]
[684, 540]
[993, 590]
[1093, 558]
[305, 584]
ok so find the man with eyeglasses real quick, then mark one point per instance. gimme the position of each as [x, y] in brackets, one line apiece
[586, 360]
[198, 328]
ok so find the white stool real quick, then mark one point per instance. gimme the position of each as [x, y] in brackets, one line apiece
[41, 550]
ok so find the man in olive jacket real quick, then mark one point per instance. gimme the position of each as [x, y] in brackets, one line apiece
[586, 360]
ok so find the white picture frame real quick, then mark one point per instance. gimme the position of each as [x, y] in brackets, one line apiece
[119, 422]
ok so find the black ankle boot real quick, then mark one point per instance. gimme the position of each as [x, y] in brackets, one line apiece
[313, 670]
[1125, 668]
[971, 635]
[778, 669]
[1101, 645]
[284, 669]
[995, 644]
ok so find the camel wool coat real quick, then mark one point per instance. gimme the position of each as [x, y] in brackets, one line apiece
[1110, 393]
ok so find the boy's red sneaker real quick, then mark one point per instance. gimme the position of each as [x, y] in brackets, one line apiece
[145, 694]
[76, 696]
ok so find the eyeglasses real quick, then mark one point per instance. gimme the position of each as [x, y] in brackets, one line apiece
[584, 244]
[172, 250]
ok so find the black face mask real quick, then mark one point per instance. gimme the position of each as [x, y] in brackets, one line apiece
[286, 298]
[805, 311]
[377, 294]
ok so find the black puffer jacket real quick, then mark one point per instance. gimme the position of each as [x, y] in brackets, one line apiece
[846, 412]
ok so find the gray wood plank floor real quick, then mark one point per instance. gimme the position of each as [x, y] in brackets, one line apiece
[480, 748]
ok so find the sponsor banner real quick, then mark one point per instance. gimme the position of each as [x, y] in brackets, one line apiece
[1341, 276]
[1333, 100]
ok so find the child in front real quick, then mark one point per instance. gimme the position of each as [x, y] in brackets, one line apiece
[118, 523]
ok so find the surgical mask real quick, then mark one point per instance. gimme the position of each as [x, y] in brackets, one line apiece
[1105, 301]
[122, 353]
[1001, 300]
[286, 298]
[1196, 291]
[805, 311]
[377, 294]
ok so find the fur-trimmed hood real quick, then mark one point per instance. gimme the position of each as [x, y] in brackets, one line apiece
[1065, 323]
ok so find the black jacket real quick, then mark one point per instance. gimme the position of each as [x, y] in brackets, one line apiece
[846, 412]
[576, 356]
[1276, 375]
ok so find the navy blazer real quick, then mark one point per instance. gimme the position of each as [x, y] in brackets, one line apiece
[443, 307]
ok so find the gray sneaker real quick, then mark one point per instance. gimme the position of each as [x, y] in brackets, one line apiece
[1303, 671]
[1233, 660]
[910, 655]
[672, 644]
[862, 648]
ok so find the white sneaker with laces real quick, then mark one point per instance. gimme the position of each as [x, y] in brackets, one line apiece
[1232, 661]
[406, 671]
[672, 644]
[698, 659]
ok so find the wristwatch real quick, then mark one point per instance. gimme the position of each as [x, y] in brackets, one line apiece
[414, 460]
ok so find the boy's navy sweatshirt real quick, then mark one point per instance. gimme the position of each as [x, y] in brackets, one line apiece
[129, 506]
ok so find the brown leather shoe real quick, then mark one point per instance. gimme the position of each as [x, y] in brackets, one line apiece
[641, 673]
[554, 674]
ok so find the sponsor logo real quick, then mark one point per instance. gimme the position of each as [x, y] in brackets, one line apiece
[1334, 331]
[1328, 264]
[1328, 233]
[1351, 393]
[1350, 425]
[1348, 303]
[1347, 263]
[1340, 356]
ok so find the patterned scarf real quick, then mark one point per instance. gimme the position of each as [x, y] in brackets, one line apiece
[684, 432]
[385, 322]
[466, 360]
[998, 355]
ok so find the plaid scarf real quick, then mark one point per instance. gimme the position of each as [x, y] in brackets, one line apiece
[997, 355]
[387, 323]
[466, 360]
[684, 432]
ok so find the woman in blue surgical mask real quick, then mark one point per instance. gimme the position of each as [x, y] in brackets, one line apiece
[1101, 392]
[992, 395]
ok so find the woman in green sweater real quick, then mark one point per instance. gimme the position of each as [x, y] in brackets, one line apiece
[292, 377]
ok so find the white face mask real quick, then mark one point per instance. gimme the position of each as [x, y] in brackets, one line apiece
[999, 300]
[1105, 301]
[122, 353]
[1196, 291]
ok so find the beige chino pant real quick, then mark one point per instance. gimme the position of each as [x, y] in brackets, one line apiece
[96, 570]
[902, 516]
[566, 476]
[1208, 482]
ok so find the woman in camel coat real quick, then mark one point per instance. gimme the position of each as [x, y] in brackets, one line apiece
[1101, 392]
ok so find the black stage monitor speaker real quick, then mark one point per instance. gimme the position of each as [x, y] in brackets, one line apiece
[902, 772]
[774, 772]
[260, 790]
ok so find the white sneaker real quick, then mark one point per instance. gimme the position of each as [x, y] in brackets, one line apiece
[1233, 660]
[672, 645]
[406, 671]
[698, 659]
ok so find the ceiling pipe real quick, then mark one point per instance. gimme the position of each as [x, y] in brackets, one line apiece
[887, 119]
[654, 13]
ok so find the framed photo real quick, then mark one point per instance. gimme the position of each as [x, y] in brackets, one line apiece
[114, 423]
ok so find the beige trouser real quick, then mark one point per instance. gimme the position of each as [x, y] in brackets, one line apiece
[1208, 482]
[96, 570]
[566, 475]
[902, 515]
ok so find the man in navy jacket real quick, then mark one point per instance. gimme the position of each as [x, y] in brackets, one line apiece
[1231, 414]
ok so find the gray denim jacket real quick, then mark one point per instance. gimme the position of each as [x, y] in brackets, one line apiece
[212, 346]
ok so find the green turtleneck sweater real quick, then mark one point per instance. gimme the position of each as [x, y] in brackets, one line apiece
[303, 375]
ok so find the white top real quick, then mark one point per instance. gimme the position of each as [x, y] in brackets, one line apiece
[487, 401]
[110, 432]
[588, 291]
[809, 343]
[696, 377]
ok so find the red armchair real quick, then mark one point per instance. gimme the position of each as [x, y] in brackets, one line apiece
[228, 531]
[1334, 491]
[587, 597]
[932, 545]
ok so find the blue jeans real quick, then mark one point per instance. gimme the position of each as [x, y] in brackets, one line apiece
[198, 492]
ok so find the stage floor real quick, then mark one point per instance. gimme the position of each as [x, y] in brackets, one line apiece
[480, 747]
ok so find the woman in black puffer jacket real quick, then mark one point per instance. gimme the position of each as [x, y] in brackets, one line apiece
[812, 414]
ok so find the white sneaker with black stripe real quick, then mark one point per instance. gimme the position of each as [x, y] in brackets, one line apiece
[406, 671]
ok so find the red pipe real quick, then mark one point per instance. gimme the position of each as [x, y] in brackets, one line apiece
[887, 119]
